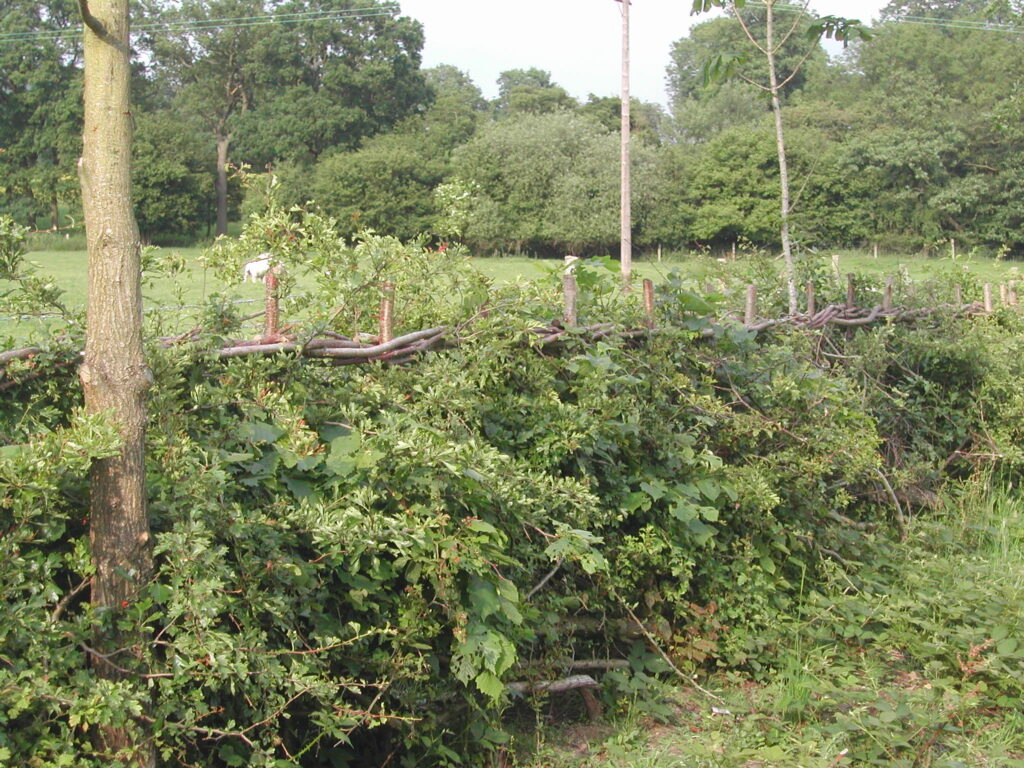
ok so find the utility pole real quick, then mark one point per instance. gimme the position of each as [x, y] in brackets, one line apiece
[625, 219]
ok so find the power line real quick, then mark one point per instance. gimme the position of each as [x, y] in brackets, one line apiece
[213, 24]
[963, 24]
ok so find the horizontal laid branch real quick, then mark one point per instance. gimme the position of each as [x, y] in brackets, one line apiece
[341, 350]
[604, 664]
[571, 683]
[839, 314]
[376, 349]
[19, 354]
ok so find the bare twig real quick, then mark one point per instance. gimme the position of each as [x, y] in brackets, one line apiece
[540, 584]
[901, 521]
[68, 597]
[668, 660]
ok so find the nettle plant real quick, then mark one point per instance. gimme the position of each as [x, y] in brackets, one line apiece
[352, 562]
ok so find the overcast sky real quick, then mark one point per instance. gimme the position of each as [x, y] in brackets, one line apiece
[577, 41]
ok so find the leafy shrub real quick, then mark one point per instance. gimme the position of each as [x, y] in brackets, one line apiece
[352, 562]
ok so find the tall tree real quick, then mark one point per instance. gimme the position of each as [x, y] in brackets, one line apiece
[769, 41]
[530, 91]
[210, 59]
[40, 106]
[332, 73]
[114, 375]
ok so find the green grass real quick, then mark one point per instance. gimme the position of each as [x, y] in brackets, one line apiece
[920, 666]
[67, 268]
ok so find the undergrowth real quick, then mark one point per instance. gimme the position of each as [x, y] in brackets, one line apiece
[914, 659]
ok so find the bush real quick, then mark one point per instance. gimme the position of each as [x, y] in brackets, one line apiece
[352, 562]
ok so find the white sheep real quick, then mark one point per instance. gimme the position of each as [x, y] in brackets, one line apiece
[256, 268]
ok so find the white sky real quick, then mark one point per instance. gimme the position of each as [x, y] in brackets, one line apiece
[577, 41]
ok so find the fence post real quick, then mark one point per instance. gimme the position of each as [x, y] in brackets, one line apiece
[649, 301]
[958, 295]
[387, 313]
[271, 318]
[1004, 297]
[810, 299]
[569, 290]
[1012, 293]
[876, 250]
[850, 297]
[887, 296]
[986, 293]
[751, 311]
[835, 265]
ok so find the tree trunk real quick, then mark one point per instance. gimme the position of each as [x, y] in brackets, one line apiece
[773, 81]
[625, 197]
[223, 141]
[114, 374]
[54, 214]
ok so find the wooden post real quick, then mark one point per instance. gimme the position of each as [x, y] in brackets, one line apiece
[875, 248]
[271, 318]
[952, 248]
[1004, 297]
[649, 301]
[625, 211]
[887, 296]
[835, 264]
[569, 290]
[387, 313]
[751, 311]
[986, 293]
[850, 297]
[659, 251]
[1012, 293]
[810, 299]
[734, 250]
[958, 295]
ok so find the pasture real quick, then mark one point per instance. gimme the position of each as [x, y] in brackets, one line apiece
[68, 270]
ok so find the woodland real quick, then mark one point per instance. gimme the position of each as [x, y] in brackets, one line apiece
[304, 545]
[904, 140]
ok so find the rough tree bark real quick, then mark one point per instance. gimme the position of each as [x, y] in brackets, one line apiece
[114, 374]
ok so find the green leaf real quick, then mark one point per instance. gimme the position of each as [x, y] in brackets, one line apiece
[710, 514]
[709, 488]
[636, 500]
[339, 460]
[702, 532]
[259, 432]
[300, 487]
[684, 511]
[490, 684]
[1007, 646]
[232, 457]
[11, 451]
[484, 597]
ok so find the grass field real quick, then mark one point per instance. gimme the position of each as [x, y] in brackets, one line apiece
[67, 268]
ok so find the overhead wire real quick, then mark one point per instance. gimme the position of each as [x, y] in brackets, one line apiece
[964, 24]
[219, 23]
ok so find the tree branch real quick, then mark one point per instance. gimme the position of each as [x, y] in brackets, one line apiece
[91, 21]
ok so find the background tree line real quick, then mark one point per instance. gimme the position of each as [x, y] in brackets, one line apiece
[906, 140]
